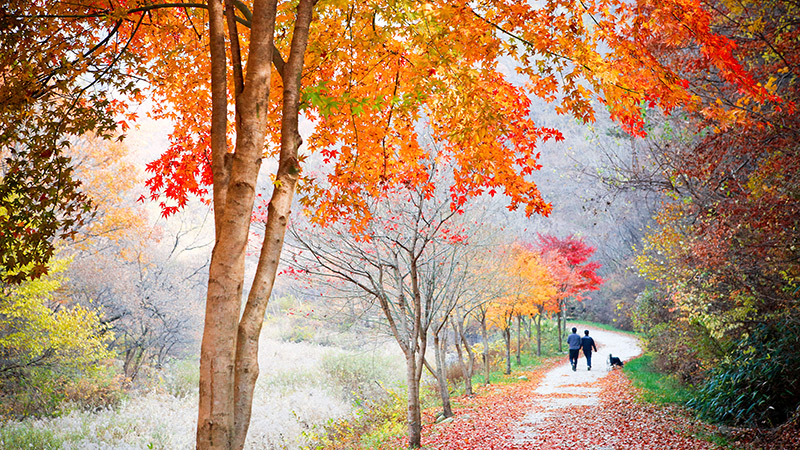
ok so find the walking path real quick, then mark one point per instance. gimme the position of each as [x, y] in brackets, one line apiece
[563, 388]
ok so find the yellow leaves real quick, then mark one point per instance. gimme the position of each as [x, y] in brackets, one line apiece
[529, 288]
[34, 325]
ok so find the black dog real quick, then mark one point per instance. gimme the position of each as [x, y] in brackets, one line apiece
[614, 361]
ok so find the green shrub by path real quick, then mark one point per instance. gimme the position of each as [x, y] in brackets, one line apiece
[655, 387]
[757, 384]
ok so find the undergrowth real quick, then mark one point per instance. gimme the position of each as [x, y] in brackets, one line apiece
[655, 387]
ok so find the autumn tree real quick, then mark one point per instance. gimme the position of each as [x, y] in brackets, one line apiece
[578, 275]
[501, 314]
[408, 262]
[537, 284]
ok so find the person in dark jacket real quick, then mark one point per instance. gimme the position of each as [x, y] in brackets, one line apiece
[574, 342]
[587, 344]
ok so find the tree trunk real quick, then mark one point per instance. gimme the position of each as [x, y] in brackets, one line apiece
[560, 331]
[226, 271]
[228, 360]
[279, 209]
[519, 340]
[440, 348]
[467, 368]
[507, 338]
[539, 335]
[484, 336]
[413, 417]
[529, 326]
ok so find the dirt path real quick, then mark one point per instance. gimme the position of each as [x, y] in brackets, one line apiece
[562, 388]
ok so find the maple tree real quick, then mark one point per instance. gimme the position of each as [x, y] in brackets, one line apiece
[572, 270]
[528, 289]
[409, 262]
[501, 314]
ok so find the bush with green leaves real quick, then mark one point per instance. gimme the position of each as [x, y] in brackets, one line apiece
[49, 348]
[758, 383]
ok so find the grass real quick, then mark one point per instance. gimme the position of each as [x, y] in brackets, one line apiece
[656, 387]
[528, 358]
[26, 436]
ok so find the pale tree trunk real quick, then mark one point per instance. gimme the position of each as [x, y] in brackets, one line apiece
[440, 348]
[529, 327]
[485, 337]
[519, 340]
[228, 361]
[539, 334]
[279, 209]
[468, 367]
[560, 330]
[226, 271]
[507, 339]
[413, 416]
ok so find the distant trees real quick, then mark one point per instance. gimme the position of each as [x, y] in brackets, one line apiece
[151, 302]
[573, 271]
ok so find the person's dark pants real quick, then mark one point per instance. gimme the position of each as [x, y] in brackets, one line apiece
[573, 356]
[588, 358]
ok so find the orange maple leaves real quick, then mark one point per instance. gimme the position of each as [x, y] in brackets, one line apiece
[385, 83]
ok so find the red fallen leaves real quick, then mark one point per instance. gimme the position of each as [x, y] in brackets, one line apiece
[493, 420]
[619, 422]
[485, 421]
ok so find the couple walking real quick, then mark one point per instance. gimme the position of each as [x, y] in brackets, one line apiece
[576, 343]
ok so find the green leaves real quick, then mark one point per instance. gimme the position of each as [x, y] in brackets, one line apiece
[40, 201]
[318, 98]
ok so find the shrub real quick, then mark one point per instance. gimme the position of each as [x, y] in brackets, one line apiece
[298, 334]
[362, 379]
[181, 378]
[369, 428]
[26, 437]
[46, 345]
[757, 384]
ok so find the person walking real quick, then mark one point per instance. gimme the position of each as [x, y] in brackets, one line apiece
[587, 344]
[574, 342]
